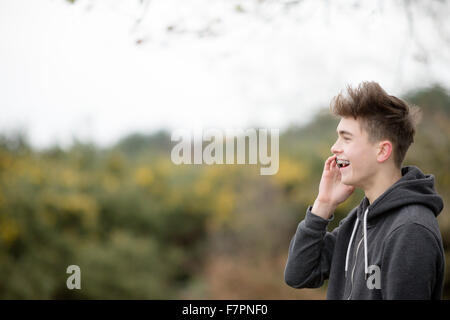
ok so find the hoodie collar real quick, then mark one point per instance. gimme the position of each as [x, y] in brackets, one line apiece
[414, 187]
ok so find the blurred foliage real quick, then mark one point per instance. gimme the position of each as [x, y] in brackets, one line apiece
[141, 227]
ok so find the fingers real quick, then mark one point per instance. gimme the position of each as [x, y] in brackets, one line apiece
[333, 163]
[335, 170]
[329, 163]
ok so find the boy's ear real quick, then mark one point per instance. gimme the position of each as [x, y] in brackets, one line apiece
[384, 150]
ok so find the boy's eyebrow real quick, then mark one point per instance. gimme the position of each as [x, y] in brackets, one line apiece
[342, 132]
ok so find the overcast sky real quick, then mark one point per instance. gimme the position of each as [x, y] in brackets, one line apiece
[77, 71]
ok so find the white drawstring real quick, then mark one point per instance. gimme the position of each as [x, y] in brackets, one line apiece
[366, 269]
[350, 246]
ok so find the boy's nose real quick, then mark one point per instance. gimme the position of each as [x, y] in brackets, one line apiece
[334, 149]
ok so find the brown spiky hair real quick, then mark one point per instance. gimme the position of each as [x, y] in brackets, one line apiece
[382, 116]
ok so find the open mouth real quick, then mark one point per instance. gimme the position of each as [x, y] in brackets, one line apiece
[342, 163]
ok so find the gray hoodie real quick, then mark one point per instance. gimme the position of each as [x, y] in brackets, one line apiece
[391, 249]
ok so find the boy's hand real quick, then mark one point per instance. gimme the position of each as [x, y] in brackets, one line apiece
[331, 190]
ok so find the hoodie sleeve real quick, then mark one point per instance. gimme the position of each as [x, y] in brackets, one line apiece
[310, 253]
[410, 262]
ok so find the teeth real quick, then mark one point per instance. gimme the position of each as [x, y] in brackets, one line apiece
[342, 163]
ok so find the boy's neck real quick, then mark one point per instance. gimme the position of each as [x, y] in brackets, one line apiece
[382, 182]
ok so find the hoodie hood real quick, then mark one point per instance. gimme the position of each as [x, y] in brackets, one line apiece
[414, 187]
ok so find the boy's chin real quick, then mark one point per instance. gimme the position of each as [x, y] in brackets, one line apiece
[348, 182]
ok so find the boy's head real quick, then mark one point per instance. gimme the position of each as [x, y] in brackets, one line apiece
[374, 133]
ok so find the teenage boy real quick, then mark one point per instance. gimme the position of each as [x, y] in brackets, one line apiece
[390, 246]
